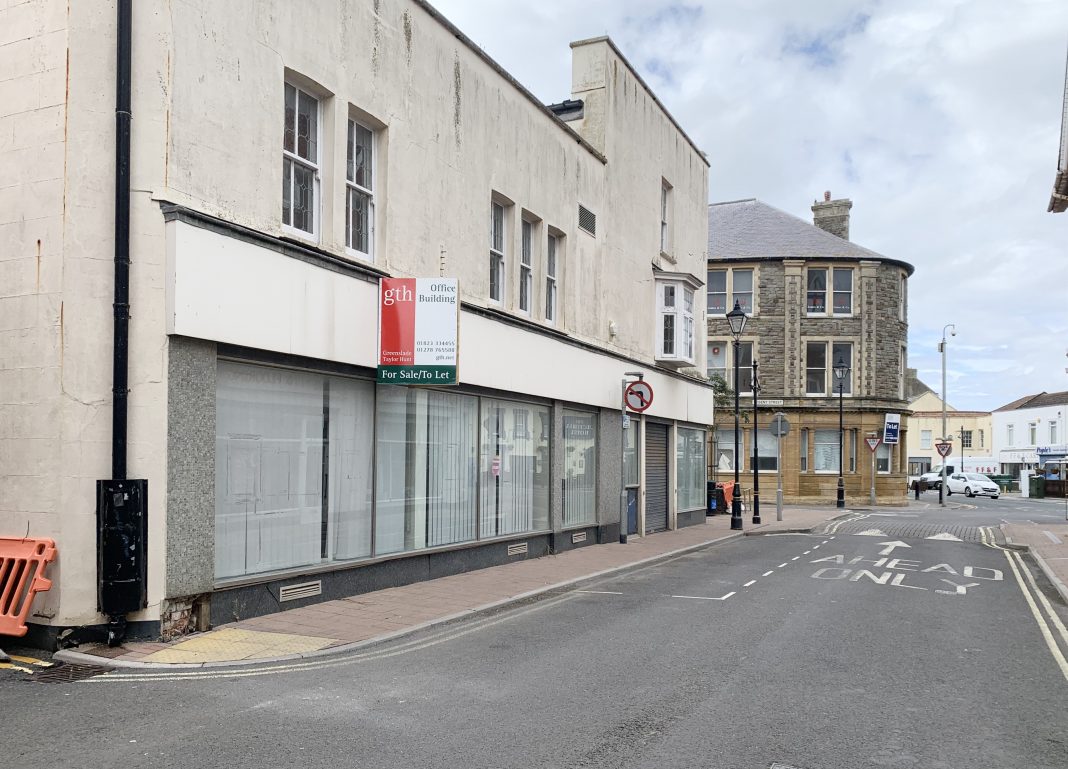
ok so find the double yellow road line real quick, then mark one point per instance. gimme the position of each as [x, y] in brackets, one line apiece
[1049, 623]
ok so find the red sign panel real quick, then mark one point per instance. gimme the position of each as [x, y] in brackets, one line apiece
[397, 327]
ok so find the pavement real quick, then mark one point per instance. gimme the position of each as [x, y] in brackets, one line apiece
[334, 627]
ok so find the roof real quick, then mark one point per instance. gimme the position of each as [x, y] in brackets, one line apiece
[914, 388]
[1036, 401]
[750, 229]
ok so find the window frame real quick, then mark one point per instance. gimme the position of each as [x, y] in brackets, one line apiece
[666, 216]
[293, 157]
[829, 383]
[527, 235]
[728, 360]
[676, 302]
[498, 250]
[351, 187]
[729, 292]
[829, 291]
[553, 252]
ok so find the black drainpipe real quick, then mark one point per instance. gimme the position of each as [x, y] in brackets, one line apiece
[120, 357]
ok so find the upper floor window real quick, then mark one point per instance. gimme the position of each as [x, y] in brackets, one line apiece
[359, 189]
[497, 253]
[665, 218]
[675, 324]
[551, 267]
[1052, 432]
[925, 439]
[526, 266]
[721, 364]
[300, 161]
[819, 368]
[1032, 434]
[966, 439]
[725, 287]
[840, 289]
[1010, 436]
[981, 443]
[903, 309]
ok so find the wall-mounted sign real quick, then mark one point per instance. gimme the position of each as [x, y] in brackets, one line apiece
[891, 428]
[769, 402]
[418, 331]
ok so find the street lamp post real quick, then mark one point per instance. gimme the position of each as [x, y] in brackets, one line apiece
[736, 318]
[841, 371]
[962, 467]
[756, 448]
[942, 349]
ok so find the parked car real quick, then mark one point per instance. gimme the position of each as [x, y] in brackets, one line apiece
[933, 479]
[972, 484]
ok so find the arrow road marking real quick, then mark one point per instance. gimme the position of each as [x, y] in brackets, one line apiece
[946, 536]
[871, 533]
[891, 545]
[704, 597]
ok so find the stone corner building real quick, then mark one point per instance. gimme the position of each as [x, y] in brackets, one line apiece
[812, 296]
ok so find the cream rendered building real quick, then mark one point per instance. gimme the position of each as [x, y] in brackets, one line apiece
[970, 434]
[283, 158]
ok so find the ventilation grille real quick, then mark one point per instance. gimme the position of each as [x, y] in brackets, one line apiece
[587, 220]
[578, 536]
[520, 548]
[303, 590]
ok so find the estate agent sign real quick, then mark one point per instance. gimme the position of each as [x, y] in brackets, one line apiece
[418, 331]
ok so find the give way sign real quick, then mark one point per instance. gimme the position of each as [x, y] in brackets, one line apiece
[944, 448]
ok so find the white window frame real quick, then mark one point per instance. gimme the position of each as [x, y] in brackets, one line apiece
[1010, 435]
[830, 388]
[829, 271]
[293, 158]
[729, 293]
[966, 439]
[526, 265]
[675, 303]
[498, 250]
[1032, 433]
[352, 188]
[665, 217]
[926, 436]
[553, 253]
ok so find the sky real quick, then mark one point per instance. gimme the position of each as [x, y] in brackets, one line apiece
[939, 119]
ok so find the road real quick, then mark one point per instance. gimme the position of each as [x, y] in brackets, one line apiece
[887, 640]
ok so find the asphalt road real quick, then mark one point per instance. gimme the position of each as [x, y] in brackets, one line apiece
[872, 646]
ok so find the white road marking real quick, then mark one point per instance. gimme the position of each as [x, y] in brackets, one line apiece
[945, 536]
[891, 545]
[1052, 537]
[781, 565]
[705, 597]
[806, 552]
[600, 592]
[767, 573]
[870, 533]
[815, 547]
[750, 582]
[795, 558]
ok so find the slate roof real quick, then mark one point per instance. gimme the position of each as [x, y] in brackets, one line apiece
[1036, 401]
[749, 229]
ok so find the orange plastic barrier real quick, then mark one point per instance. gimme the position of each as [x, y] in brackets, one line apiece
[728, 494]
[22, 565]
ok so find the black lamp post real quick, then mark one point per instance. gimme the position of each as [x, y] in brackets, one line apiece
[841, 371]
[736, 318]
[756, 448]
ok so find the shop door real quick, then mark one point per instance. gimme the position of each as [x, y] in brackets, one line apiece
[656, 477]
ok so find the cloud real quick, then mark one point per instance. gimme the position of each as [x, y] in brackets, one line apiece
[940, 119]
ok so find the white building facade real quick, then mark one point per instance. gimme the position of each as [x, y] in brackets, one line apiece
[284, 159]
[1030, 433]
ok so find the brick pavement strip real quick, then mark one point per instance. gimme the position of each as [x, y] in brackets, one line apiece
[337, 625]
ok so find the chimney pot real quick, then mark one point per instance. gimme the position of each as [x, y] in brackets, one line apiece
[827, 196]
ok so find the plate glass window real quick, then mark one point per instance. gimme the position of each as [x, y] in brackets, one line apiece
[825, 450]
[359, 188]
[300, 160]
[580, 468]
[767, 450]
[690, 461]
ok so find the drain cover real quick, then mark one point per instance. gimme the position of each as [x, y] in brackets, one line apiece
[63, 673]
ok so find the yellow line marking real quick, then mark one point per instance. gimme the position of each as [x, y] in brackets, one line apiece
[31, 661]
[1045, 601]
[9, 666]
[1051, 642]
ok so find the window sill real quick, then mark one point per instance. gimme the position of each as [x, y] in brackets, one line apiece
[311, 238]
[359, 256]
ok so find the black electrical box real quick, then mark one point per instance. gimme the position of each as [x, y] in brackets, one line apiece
[122, 546]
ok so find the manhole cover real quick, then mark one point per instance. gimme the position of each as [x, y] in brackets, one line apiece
[63, 673]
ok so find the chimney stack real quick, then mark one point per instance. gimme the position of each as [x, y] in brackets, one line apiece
[832, 215]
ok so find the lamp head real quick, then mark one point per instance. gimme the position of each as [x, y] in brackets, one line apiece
[737, 318]
[841, 368]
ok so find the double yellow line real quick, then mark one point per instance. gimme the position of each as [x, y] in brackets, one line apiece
[1048, 623]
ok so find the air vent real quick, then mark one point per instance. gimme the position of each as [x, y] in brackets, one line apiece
[303, 590]
[587, 220]
[578, 536]
[520, 548]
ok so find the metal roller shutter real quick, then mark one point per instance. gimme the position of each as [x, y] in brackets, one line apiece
[656, 477]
